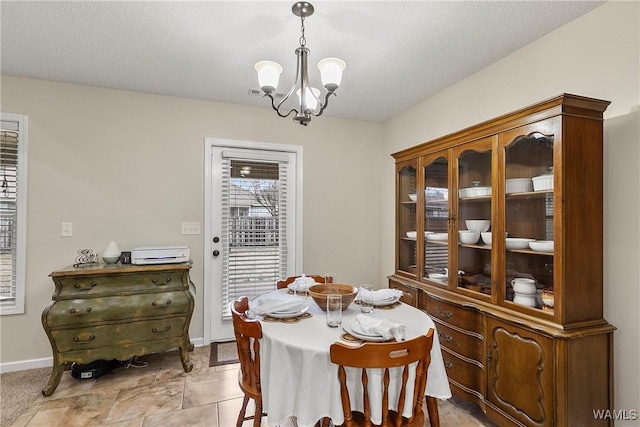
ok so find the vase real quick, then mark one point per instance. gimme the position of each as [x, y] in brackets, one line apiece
[111, 253]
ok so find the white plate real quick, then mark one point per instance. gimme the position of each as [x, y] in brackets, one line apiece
[382, 303]
[355, 330]
[288, 314]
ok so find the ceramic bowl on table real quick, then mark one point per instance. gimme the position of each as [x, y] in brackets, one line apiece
[319, 294]
[468, 237]
[518, 243]
[478, 225]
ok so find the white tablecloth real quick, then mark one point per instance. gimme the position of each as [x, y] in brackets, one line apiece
[298, 378]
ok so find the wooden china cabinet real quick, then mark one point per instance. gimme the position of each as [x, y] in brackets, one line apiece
[539, 355]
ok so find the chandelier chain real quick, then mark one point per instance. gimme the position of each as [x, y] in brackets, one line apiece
[303, 40]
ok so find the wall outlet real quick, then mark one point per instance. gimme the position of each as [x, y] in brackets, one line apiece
[66, 229]
[190, 228]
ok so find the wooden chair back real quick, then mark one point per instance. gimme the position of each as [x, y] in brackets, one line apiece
[385, 356]
[248, 332]
[280, 284]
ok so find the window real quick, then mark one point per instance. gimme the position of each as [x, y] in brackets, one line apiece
[13, 197]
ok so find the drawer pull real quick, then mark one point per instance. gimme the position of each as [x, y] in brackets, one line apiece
[164, 331]
[155, 281]
[445, 337]
[165, 305]
[80, 312]
[446, 314]
[81, 341]
[448, 365]
[82, 287]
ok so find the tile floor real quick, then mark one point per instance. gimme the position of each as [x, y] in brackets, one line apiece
[162, 394]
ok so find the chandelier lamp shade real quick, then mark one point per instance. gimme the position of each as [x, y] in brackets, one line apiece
[310, 101]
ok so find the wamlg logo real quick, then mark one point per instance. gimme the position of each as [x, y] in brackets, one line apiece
[615, 414]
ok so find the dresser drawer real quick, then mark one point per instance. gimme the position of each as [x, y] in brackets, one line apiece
[101, 309]
[465, 373]
[470, 346]
[91, 285]
[463, 318]
[118, 334]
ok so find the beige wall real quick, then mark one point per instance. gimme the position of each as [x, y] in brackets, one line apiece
[597, 55]
[129, 167]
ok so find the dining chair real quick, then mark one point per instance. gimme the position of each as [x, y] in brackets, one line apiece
[248, 333]
[386, 356]
[280, 284]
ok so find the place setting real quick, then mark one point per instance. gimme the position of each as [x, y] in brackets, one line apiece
[366, 328]
[289, 310]
[385, 299]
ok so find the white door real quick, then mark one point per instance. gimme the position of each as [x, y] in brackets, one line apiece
[252, 229]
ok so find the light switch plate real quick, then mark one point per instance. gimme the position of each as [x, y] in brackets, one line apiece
[66, 229]
[190, 228]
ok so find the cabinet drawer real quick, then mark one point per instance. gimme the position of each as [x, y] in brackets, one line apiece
[410, 294]
[92, 310]
[467, 345]
[463, 318]
[90, 285]
[118, 334]
[463, 372]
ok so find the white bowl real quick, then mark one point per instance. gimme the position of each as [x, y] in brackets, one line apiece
[474, 192]
[486, 237]
[468, 237]
[542, 245]
[542, 182]
[412, 234]
[438, 237]
[478, 225]
[524, 286]
[413, 197]
[518, 243]
[519, 185]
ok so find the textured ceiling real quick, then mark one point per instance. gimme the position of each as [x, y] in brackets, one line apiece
[398, 53]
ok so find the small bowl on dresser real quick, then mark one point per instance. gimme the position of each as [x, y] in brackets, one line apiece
[468, 237]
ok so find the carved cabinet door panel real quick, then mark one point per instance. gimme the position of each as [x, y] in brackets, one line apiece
[520, 373]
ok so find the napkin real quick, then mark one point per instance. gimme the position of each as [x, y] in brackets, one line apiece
[382, 327]
[380, 295]
[271, 305]
[302, 283]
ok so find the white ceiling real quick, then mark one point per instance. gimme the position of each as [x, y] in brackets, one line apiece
[398, 53]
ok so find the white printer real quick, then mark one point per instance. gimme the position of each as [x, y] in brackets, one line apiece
[160, 255]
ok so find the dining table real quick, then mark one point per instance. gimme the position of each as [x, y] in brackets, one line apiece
[298, 378]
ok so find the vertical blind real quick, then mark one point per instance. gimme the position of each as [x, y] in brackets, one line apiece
[254, 231]
[8, 210]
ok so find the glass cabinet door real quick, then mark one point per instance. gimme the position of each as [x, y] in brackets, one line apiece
[436, 218]
[529, 207]
[474, 218]
[406, 217]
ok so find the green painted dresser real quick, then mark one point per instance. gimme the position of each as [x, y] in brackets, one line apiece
[108, 312]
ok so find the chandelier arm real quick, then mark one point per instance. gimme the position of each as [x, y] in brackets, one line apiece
[324, 104]
[277, 109]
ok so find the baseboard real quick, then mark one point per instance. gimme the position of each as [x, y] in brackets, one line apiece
[47, 362]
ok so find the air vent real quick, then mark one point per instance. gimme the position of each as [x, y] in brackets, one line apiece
[258, 92]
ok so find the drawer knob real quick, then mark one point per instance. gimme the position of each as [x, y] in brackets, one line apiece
[446, 314]
[160, 305]
[80, 312]
[83, 287]
[81, 341]
[448, 365]
[155, 281]
[163, 331]
[445, 337]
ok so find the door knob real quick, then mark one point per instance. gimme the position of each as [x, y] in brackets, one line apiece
[216, 252]
[216, 239]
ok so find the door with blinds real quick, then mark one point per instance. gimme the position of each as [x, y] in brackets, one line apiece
[253, 236]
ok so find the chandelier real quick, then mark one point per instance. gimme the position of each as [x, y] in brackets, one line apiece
[309, 98]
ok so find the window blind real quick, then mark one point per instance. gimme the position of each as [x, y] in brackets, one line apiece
[254, 214]
[8, 210]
